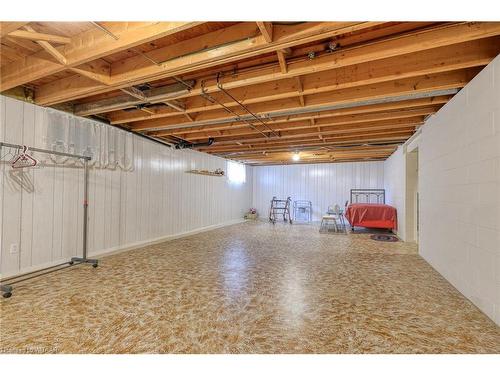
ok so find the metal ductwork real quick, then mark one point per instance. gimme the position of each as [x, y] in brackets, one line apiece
[183, 144]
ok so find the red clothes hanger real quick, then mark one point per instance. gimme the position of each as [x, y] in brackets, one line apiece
[23, 160]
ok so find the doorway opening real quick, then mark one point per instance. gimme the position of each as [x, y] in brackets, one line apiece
[412, 203]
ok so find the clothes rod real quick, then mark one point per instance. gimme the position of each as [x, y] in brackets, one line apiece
[3, 144]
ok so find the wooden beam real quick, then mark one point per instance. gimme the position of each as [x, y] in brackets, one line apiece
[337, 135]
[406, 105]
[190, 118]
[315, 159]
[305, 125]
[317, 154]
[135, 93]
[147, 110]
[36, 36]
[48, 47]
[365, 127]
[309, 142]
[54, 52]
[354, 150]
[300, 90]
[290, 162]
[300, 87]
[8, 27]
[313, 147]
[97, 71]
[136, 70]
[154, 95]
[470, 54]
[313, 156]
[90, 45]
[359, 148]
[347, 142]
[175, 104]
[294, 125]
[266, 29]
[351, 56]
[384, 137]
[396, 46]
[282, 61]
[391, 89]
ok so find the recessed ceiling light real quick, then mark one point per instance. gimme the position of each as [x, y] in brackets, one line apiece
[296, 156]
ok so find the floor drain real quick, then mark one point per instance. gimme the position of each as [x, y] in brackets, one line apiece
[384, 237]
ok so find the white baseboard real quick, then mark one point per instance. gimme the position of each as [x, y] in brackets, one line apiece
[122, 248]
[139, 244]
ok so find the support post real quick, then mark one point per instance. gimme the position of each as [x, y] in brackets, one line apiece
[84, 258]
[5, 288]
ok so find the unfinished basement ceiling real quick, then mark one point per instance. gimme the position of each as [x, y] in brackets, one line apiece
[332, 91]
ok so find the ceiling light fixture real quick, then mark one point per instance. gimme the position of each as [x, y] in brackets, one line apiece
[296, 156]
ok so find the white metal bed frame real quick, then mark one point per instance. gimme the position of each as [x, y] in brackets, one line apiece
[379, 195]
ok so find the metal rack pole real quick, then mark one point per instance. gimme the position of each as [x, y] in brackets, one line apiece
[84, 258]
[6, 289]
[11, 145]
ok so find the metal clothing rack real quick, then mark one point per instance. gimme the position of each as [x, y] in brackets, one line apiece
[6, 289]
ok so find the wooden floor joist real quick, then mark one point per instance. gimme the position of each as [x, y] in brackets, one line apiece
[337, 91]
[10, 27]
[306, 126]
[92, 45]
[429, 62]
[126, 73]
[356, 140]
[435, 102]
[396, 88]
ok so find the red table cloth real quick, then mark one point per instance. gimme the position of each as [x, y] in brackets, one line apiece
[372, 215]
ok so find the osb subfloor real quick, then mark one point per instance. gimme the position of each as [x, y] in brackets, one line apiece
[249, 288]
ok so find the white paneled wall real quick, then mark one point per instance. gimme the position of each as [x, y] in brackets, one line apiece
[395, 187]
[459, 180]
[322, 184]
[155, 200]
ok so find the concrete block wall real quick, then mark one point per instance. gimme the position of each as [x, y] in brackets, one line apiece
[459, 182]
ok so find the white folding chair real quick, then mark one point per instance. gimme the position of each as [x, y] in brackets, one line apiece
[330, 217]
[340, 215]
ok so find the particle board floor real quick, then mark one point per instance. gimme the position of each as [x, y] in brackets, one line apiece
[249, 288]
